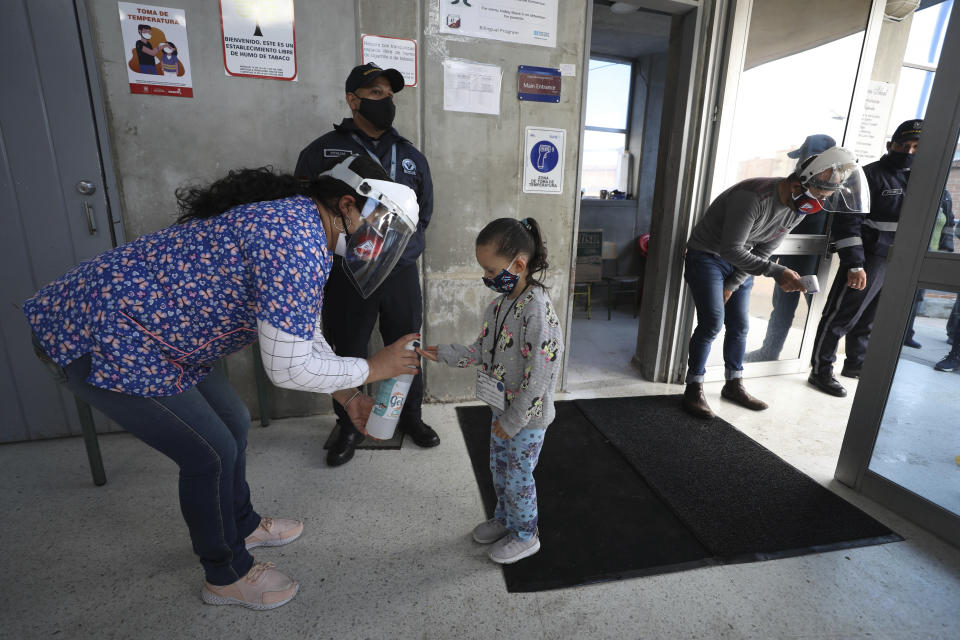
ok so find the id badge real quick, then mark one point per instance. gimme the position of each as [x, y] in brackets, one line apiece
[491, 391]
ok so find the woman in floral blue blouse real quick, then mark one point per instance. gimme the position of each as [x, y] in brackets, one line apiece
[135, 332]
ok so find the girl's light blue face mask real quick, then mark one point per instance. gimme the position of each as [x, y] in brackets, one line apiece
[503, 282]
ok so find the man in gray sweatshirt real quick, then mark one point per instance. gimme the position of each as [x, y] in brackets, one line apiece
[732, 243]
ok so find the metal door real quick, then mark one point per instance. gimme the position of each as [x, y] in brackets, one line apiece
[902, 444]
[52, 193]
[781, 327]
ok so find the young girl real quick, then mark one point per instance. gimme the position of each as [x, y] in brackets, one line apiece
[518, 353]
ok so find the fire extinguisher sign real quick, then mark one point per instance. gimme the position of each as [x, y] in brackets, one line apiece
[543, 160]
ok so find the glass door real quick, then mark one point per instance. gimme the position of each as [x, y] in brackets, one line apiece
[777, 111]
[902, 444]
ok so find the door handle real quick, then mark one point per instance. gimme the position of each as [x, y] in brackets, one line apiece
[86, 187]
[91, 221]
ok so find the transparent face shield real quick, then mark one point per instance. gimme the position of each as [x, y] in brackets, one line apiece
[841, 189]
[374, 248]
[388, 220]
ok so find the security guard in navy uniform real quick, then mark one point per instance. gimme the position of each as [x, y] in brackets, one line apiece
[349, 319]
[863, 241]
[945, 244]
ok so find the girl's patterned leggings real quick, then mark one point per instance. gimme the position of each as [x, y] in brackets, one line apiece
[512, 463]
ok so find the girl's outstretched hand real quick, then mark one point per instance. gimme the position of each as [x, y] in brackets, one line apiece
[430, 353]
[499, 432]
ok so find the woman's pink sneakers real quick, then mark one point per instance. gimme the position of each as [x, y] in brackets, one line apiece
[262, 588]
[274, 532]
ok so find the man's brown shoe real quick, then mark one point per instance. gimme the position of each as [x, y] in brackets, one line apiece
[734, 392]
[262, 588]
[695, 403]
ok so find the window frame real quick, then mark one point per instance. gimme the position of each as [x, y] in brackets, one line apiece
[629, 116]
[632, 65]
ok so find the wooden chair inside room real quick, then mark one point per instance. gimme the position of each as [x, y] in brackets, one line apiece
[589, 269]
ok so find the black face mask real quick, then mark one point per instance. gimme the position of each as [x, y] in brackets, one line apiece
[900, 160]
[380, 113]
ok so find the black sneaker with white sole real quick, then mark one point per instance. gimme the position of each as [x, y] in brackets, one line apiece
[950, 363]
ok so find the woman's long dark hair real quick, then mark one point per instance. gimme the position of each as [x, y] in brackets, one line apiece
[510, 237]
[243, 186]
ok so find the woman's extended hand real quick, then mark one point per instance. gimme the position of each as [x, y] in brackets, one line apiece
[357, 405]
[499, 432]
[430, 353]
[394, 360]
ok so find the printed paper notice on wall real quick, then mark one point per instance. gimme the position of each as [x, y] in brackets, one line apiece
[871, 120]
[518, 21]
[259, 40]
[155, 50]
[473, 87]
[391, 53]
[543, 160]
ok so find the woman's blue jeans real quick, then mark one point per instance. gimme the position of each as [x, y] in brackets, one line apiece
[705, 273]
[203, 430]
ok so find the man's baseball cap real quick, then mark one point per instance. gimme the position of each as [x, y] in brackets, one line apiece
[363, 75]
[817, 143]
[908, 130]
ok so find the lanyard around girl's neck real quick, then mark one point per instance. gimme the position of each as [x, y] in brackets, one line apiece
[496, 319]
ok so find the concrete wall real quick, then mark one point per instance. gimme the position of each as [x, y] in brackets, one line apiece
[477, 165]
[161, 143]
[654, 70]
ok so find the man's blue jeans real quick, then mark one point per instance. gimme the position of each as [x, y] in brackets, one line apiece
[705, 273]
[203, 430]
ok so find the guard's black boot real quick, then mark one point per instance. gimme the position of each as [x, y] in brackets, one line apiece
[827, 383]
[341, 451]
[422, 433]
[695, 403]
[850, 372]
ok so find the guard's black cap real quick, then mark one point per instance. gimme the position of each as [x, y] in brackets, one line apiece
[813, 145]
[366, 73]
[908, 130]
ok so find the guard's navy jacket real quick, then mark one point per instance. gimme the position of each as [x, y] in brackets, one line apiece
[395, 154]
[873, 232]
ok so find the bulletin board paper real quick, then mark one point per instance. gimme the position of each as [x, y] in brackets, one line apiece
[391, 53]
[870, 128]
[471, 87]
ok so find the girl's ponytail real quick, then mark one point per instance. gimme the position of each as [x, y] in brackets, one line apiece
[538, 258]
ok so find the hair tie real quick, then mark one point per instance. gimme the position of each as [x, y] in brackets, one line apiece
[526, 224]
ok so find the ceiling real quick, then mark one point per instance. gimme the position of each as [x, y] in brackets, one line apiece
[629, 35]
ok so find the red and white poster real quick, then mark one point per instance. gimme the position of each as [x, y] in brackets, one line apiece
[155, 50]
[259, 40]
